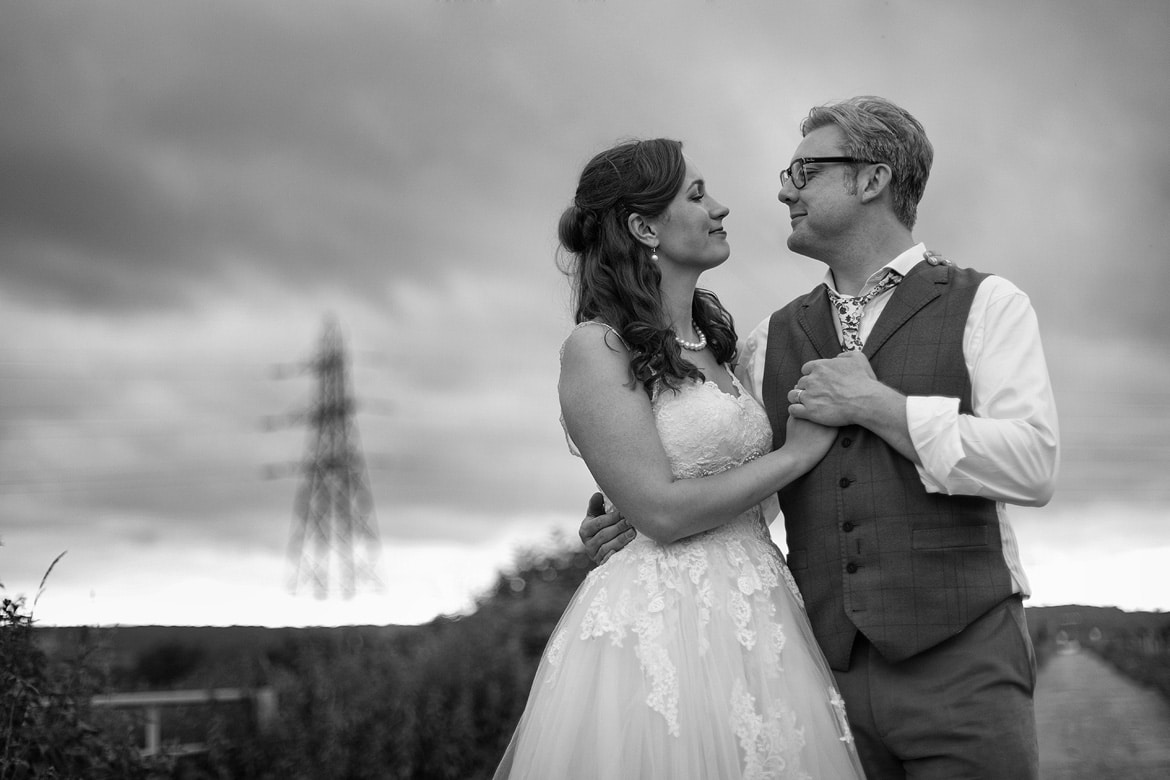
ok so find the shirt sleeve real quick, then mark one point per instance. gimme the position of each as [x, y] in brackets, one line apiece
[750, 368]
[750, 373]
[1008, 450]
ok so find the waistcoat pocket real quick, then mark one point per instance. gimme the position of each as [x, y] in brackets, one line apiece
[951, 536]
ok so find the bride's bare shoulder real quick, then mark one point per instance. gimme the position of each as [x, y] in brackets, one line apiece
[592, 341]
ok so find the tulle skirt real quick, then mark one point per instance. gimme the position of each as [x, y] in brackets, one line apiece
[689, 660]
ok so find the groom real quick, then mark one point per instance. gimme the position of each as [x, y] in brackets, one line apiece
[899, 539]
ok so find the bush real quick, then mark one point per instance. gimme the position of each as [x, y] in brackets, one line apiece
[440, 702]
[45, 719]
[1148, 667]
[169, 662]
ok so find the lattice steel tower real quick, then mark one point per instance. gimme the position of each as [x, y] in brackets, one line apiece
[334, 546]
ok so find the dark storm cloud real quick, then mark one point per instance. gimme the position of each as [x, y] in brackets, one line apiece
[143, 155]
[186, 188]
[150, 152]
[84, 231]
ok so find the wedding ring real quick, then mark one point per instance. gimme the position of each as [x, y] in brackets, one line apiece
[799, 393]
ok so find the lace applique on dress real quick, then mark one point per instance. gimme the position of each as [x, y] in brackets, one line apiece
[675, 630]
[838, 705]
[791, 582]
[771, 742]
[662, 574]
[704, 431]
[779, 639]
[556, 650]
[657, 665]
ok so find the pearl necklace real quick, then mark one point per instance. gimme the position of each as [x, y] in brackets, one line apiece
[693, 346]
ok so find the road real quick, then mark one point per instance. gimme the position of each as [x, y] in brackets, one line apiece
[1094, 723]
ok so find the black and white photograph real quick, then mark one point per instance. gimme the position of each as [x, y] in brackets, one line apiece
[584, 389]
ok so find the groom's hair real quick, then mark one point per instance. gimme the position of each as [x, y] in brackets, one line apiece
[878, 130]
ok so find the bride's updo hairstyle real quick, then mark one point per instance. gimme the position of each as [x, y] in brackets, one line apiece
[613, 278]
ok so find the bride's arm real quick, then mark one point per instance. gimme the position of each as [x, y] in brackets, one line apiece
[613, 426]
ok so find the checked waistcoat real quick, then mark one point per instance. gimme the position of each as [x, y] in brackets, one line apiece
[871, 550]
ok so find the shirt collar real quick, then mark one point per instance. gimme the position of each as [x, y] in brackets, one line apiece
[902, 264]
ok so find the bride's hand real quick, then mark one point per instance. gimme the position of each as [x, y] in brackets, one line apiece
[808, 441]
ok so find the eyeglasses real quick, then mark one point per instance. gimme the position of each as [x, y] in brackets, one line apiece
[797, 174]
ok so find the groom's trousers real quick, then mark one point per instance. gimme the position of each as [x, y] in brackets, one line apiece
[962, 709]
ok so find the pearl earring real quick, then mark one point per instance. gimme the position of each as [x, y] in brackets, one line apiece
[654, 253]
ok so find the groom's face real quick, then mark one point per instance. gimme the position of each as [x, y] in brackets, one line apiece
[821, 211]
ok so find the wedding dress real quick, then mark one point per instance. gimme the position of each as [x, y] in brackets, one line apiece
[692, 660]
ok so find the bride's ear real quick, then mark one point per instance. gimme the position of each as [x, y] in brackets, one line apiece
[642, 230]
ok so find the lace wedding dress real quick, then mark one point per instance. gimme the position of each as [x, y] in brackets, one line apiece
[692, 660]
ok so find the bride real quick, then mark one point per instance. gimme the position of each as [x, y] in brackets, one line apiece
[687, 654]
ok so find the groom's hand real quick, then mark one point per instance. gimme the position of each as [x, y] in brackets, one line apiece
[844, 391]
[603, 533]
[838, 391]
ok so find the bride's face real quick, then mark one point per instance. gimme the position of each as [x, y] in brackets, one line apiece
[690, 232]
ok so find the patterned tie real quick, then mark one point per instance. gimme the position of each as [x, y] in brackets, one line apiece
[850, 309]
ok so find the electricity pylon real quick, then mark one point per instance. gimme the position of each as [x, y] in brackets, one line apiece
[334, 546]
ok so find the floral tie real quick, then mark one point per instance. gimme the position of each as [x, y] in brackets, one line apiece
[850, 309]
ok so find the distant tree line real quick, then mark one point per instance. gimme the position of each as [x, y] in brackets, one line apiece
[436, 701]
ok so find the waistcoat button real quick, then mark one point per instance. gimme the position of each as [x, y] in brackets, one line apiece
[851, 568]
[847, 526]
[847, 442]
[844, 482]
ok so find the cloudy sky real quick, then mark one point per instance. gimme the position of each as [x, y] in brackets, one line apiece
[188, 189]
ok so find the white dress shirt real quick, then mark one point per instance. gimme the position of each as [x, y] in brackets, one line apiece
[1009, 448]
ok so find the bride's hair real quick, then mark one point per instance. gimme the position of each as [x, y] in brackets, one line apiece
[613, 278]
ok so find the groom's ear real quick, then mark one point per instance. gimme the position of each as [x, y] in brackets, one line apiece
[642, 230]
[876, 182]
